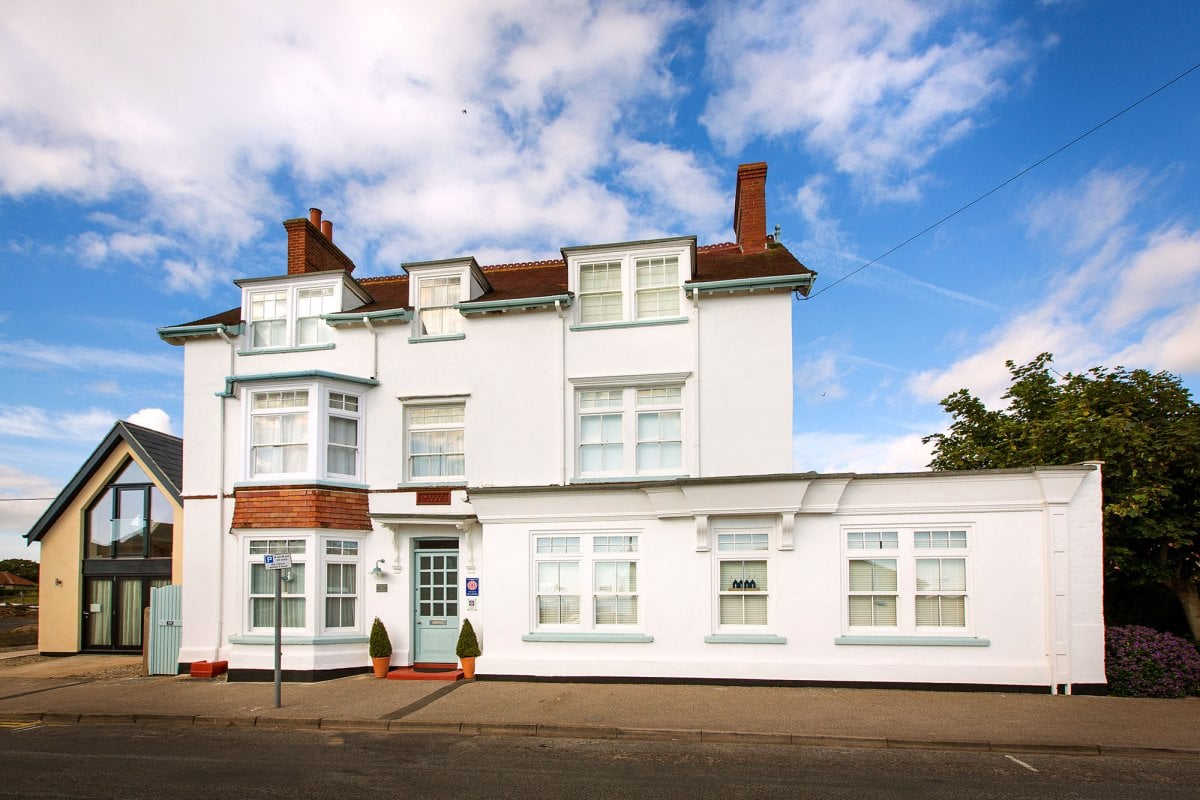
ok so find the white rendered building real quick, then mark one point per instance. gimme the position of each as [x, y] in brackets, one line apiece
[590, 458]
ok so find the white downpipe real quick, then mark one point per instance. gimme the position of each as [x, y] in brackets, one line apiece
[221, 501]
[375, 346]
[562, 394]
[696, 384]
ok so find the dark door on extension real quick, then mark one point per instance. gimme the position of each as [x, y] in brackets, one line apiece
[112, 611]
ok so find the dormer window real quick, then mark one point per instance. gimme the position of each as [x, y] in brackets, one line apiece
[640, 283]
[290, 316]
[435, 310]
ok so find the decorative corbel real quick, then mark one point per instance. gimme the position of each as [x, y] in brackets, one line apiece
[703, 538]
[787, 527]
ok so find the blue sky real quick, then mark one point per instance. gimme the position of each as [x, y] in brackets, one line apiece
[148, 153]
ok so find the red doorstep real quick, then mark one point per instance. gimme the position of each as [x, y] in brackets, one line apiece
[208, 669]
[426, 672]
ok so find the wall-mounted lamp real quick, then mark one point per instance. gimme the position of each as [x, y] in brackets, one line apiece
[377, 572]
[58, 581]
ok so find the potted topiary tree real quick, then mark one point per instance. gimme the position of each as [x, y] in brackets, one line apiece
[380, 649]
[467, 648]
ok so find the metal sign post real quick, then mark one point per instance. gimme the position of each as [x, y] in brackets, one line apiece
[278, 563]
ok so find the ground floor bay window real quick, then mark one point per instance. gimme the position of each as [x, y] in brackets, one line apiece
[321, 593]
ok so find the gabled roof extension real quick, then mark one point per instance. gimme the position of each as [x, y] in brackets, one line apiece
[160, 452]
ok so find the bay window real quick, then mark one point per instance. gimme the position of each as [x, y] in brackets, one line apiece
[320, 592]
[307, 431]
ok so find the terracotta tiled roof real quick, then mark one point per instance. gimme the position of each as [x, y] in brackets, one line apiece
[8, 579]
[714, 262]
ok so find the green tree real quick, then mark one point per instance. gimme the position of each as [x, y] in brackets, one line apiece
[1144, 426]
[21, 567]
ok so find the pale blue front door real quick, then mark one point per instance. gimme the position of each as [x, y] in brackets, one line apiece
[436, 602]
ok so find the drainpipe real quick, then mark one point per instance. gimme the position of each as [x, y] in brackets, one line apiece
[696, 386]
[221, 499]
[562, 394]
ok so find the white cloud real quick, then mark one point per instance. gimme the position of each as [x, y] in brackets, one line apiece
[823, 451]
[1132, 300]
[195, 110]
[153, 418]
[37, 423]
[105, 387]
[18, 516]
[39, 356]
[820, 381]
[879, 87]
[199, 277]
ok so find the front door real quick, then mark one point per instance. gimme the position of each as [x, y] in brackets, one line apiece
[436, 601]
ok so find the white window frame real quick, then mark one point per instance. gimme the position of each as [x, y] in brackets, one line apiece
[900, 543]
[638, 276]
[452, 317]
[603, 411]
[415, 409]
[290, 320]
[308, 548]
[736, 542]
[586, 552]
[341, 551]
[318, 414]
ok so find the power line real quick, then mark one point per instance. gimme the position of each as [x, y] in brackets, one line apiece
[1000, 186]
[16, 499]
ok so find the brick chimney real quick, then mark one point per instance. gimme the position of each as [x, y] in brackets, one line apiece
[311, 247]
[750, 207]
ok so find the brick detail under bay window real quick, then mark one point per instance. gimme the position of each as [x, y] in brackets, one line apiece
[301, 507]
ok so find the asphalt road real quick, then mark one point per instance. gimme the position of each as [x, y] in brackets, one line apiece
[101, 761]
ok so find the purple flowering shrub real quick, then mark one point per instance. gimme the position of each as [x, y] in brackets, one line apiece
[1142, 662]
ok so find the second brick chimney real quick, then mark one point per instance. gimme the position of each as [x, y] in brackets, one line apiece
[311, 247]
[750, 207]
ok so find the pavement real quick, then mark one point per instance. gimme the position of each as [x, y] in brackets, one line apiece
[80, 690]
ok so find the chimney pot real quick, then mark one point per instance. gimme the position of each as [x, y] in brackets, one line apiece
[314, 216]
[327, 229]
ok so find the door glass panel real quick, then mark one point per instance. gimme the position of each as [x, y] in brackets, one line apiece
[99, 612]
[129, 615]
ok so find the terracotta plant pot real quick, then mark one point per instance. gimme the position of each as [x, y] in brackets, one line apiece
[381, 666]
[468, 665]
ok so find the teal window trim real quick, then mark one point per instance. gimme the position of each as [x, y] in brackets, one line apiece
[589, 637]
[750, 284]
[254, 639]
[445, 337]
[485, 306]
[262, 484]
[434, 485]
[299, 375]
[745, 638]
[629, 479]
[275, 350]
[637, 323]
[914, 641]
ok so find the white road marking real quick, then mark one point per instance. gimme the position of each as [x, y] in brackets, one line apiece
[1019, 761]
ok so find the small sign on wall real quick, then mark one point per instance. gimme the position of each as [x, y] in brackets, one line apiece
[381, 587]
[433, 498]
[472, 587]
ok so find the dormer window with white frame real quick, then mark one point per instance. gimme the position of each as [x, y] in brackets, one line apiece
[289, 316]
[615, 288]
[306, 431]
[435, 290]
[436, 297]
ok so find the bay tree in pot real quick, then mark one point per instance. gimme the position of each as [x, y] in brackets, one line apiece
[467, 649]
[380, 649]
